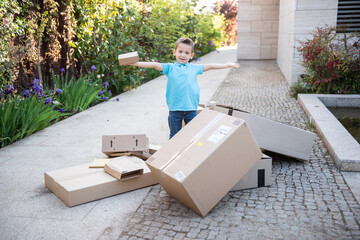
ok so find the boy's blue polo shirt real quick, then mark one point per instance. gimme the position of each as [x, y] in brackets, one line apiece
[182, 88]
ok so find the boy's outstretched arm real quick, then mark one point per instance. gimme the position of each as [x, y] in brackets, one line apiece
[155, 65]
[221, 66]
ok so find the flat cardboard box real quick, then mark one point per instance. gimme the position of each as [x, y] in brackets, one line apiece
[203, 161]
[274, 136]
[124, 143]
[125, 168]
[258, 176]
[127, 58]
[81, 184]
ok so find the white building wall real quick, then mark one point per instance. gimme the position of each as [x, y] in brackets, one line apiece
[258, 23]
[297, 19]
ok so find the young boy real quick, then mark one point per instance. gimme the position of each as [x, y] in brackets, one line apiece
[182, 90]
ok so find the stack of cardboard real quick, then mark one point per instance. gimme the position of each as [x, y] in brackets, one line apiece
[105, 177]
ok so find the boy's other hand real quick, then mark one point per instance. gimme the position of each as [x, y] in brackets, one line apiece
[234, 65]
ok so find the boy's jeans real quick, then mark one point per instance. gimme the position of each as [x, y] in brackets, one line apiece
[175, 120]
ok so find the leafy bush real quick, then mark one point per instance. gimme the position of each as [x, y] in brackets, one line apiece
[20, 117]
[332, 61]
[76, 96]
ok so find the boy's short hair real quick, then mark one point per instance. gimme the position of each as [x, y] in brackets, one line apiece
[186, 41]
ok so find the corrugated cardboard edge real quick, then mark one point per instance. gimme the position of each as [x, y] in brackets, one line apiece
[122, 175]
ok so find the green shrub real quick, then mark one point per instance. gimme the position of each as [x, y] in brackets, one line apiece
[77, 96]
[20, 117]
[104, 30]
[332, 61]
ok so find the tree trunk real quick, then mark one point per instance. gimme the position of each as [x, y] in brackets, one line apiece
[63, 32]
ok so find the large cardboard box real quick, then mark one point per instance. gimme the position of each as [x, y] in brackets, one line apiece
[126, 58]
[202, 162]
[124, 143]
[81, 184]
[274, 136]
[124, 168]
[258, 176]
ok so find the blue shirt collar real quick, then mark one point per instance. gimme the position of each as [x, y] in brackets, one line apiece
[178, 64]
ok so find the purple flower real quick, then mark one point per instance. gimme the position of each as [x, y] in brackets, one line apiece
[105, 98]
[58, 91]
[100, 93]
[26, 93]
[93, 68]
[199, 52]
[9, 89]
[142, 69]
[47, 101]
[117, 99]
[61, 110]
[159, 61]
[62, 70]
[108, 91]
[105, 84]
[210, 43]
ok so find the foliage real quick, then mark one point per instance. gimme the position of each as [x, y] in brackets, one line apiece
[20, 117]
[106, 30]
[76, 96]
[332, 61]
[300, 86]
[80, 40]
[228, 9]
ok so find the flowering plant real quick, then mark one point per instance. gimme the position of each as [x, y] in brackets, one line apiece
[331, 61]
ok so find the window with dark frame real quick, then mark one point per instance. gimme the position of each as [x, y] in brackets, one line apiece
[348, 16]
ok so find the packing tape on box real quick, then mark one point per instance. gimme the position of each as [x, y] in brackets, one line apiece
[218, 117]
[96, 171]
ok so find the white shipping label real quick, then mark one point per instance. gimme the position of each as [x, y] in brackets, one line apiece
[219, 133]
[180, 176]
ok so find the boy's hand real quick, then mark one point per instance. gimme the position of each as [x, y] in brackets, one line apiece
[234, 65]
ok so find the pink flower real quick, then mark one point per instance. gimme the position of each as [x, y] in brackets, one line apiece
[6, 21]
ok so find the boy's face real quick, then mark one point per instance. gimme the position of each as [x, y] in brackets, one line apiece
[183, 53]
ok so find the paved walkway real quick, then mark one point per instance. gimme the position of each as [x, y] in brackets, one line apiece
[306, 201]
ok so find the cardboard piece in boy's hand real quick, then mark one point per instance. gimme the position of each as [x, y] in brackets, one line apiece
[127, 58]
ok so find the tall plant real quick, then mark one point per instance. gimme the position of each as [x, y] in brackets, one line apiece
[331, 61]
[20, 117]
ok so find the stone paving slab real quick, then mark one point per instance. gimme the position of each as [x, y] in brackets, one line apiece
[307, 200]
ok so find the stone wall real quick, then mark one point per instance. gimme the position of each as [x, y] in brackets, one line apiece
[297, 19]
[258, 29]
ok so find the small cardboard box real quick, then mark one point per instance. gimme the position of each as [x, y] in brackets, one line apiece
[127, 58]
[81, 184]
[258, 176]
[125, 168]
[274, 136]
[203, 161]
[124, 143]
